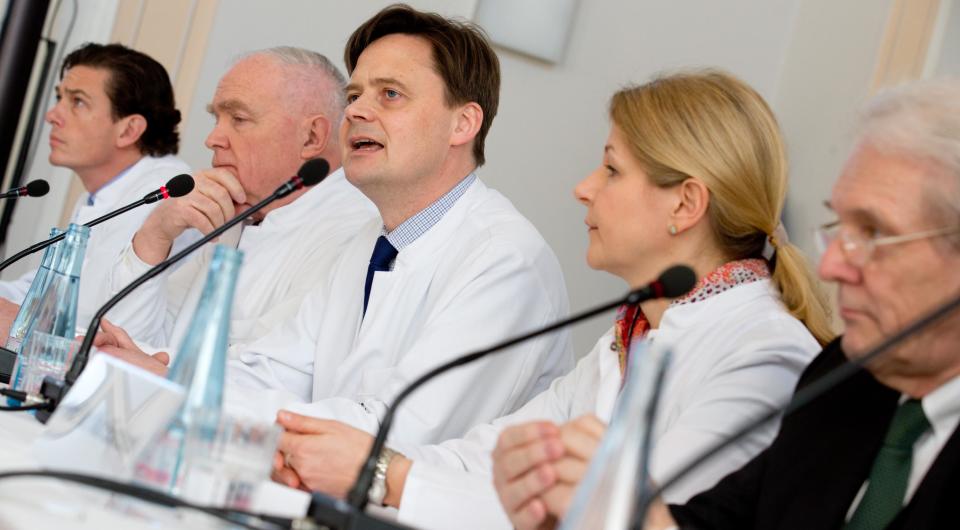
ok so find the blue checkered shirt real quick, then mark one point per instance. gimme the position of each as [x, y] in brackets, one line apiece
[416, 226]
[92, 198]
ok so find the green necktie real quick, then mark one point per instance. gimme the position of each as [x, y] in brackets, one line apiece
[891, 470]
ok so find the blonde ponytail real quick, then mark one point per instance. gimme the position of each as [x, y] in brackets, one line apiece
[801, 293]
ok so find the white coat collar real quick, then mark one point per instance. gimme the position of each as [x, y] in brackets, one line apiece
[148, 174]
[682, 317]
[300, 210]
[417, 251]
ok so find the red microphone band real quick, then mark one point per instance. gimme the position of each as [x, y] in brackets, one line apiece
[657, 288]
[22, 192]
[297, 181]
[164, 192]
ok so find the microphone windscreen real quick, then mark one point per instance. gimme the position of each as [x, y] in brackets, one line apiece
[37, 188]
[180, 185]
[313, 171]
[677, 281]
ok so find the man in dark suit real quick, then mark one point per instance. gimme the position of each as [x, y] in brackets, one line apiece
[881, 450]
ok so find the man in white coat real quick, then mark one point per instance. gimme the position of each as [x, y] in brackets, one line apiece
[274, 110]
[454, 267]
[115, 125]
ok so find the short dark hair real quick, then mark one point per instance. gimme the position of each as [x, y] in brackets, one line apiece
[138, 84]
[462, 56]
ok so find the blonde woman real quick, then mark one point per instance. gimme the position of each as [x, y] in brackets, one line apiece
[693, 172]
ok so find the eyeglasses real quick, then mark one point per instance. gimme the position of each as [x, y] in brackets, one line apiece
[858, 247]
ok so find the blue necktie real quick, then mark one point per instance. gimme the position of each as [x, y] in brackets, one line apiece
[383, 256]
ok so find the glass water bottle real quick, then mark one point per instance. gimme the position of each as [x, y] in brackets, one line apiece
[31, 302]
[49, 345]
[200, 367]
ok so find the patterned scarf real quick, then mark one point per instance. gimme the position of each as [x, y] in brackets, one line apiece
[632, 324]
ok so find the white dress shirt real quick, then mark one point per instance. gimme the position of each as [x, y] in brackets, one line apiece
[736, 355]
[107, 238]
[287, 254]
[942, 408]
[482, 273]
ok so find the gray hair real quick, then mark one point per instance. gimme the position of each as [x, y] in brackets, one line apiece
[311, 65]
[921, 121]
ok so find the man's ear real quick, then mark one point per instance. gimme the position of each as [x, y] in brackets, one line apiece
[693, 202]
[319, 129]
[130, 129]
[467, 122]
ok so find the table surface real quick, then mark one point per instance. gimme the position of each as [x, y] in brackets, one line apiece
[41, 503]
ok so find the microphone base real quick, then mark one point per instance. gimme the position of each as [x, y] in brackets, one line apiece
[8, 359]
[336, 514]
[53, 391]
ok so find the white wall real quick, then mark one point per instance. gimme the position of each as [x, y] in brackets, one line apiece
[828, 70]
[947, 58]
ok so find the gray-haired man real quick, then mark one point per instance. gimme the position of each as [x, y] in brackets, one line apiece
[273, 110]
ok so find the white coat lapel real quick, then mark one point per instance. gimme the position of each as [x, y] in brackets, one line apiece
[610, 380]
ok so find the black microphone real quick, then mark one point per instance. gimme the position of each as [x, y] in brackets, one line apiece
[34, 188]
[800, 399]
[176, 187]
[52, 391]
[672, 283]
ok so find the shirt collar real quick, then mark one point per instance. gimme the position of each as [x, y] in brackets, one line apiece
[942, 407]
[416, 226]
[631, 324]
[725, 277]
[305, 206]
[92, 197]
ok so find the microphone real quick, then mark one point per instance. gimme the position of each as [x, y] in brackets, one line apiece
[176, 187]
[52, 391]
[34, 188]
[800, 399]
[672, 283]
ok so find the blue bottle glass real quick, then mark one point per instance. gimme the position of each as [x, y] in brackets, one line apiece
[200, 367]
[31, 302]
[45, 350]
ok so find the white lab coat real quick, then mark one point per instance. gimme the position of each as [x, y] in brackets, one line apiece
[481, 274]
[107, 238]
[736, 355]
[287, 254]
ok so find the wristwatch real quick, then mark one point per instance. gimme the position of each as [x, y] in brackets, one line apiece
[378, 490]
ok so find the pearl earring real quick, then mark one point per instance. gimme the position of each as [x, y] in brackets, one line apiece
[672, 229]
